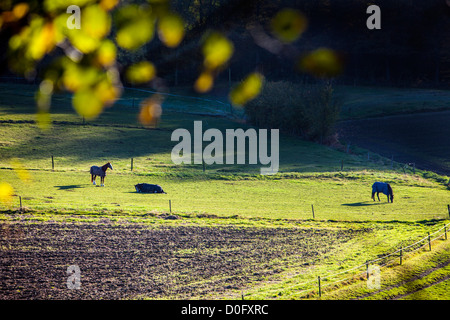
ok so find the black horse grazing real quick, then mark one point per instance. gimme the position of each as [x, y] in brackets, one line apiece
[148, 188]
[385, 188]
[101, 172]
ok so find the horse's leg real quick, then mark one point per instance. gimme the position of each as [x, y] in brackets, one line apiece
[373, 196]
[93, 178]
[378, 195]
[102, 179]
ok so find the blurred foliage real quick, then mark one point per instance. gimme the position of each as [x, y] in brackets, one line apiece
[88, 66]
[322, 63]
[151, 110]
[247, 90]
[44, 44]
[135, 26]
[288, 25]
[171, 29]
[6, 193]
[204, 82]
[20, 170]
[141, 72]
[217, 51]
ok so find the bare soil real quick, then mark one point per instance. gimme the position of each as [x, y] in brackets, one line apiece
[131, 260]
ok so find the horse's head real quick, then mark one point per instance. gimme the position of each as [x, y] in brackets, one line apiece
[390, 193]
[109, 165]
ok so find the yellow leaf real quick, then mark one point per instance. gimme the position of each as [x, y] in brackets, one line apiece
[6, 193]
[58, 5]
[106, 92]
[141, 72]
[135, 26]
[82, 41]
[171, 29]
[20, 170]
[204, 82]
[87, 104]
[289, 24]
[41, 37]
[106, 53]
[95, 25]
[20, 10]
[247, 90]
[108, 4]
[43, 120]
[151, 111]
[95, 22]
[76, 77]
[322, 62]
[217, 50]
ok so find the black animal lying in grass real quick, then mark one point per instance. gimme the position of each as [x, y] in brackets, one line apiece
[148, 188]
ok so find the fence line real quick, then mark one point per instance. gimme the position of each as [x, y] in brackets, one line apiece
[177, 95]
[396, 252]
[215, 106]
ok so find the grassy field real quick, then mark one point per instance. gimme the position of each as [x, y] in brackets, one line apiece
[224, 196]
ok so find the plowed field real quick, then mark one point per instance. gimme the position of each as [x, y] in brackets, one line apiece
[134, 260]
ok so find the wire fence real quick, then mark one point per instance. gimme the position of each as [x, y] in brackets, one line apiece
[132, 98]
[317, 285]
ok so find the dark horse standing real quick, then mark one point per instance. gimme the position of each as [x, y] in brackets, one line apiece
[385, 188]
[100, 171]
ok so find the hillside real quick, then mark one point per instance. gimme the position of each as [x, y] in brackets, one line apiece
[215, 234]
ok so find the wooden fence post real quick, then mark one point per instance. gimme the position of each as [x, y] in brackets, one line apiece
[445, 231]
[320, 290]
[20, 199]
[342, 165]
[53, 164]
[429, 241]
[131, 164]
[312, 207]
[170, 206]
[448, 208]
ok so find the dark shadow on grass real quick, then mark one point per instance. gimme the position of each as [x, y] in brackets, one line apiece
[135, 192]
[363, 204]
[70, 187]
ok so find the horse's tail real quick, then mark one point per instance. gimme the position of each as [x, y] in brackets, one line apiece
[92, 177]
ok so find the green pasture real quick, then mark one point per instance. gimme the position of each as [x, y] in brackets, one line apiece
[334, 197]
[336, 183]
[333, 182]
